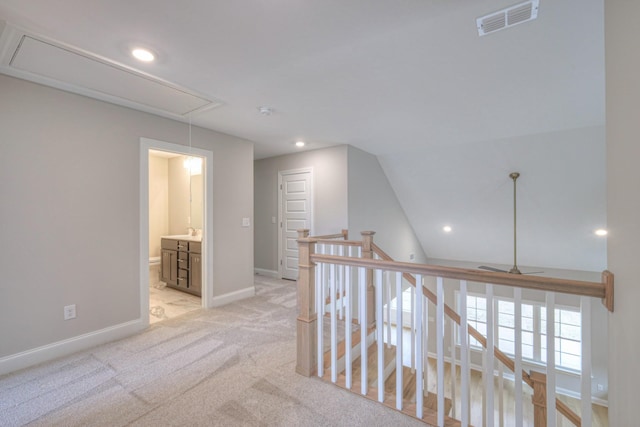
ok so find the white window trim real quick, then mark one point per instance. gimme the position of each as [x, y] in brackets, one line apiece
[537, 333]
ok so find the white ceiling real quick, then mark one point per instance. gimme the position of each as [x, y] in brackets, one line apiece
[400, 79]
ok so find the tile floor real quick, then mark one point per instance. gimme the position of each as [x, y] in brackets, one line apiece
[167, 303]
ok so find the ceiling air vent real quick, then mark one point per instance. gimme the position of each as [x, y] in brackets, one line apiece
[508, 17]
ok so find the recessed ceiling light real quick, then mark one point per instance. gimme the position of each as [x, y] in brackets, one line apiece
[143, 55]
[601, 232]
[265, 111]
[447, 229]
[299, 143]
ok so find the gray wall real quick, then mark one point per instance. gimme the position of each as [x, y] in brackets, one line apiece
[69, 181]
[329, 197]
[350, 191]
[623, 204]
[373, 206]
[158, 202]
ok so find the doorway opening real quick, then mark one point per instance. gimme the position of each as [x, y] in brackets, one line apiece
[175, 233]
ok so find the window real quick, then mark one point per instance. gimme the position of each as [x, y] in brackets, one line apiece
[568, 338]
[477, 316]
[534, 324]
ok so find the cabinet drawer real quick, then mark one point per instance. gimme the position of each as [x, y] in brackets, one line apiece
[182, 273]
[183, 245]
[195, 247]
[169, 244]
[183, 260]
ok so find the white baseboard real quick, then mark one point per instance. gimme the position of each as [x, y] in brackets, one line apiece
[268, 273]
[233, 296]
[52, 351]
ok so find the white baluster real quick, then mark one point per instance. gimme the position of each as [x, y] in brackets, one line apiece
[440, 348]
[320, 317]
[517, 302]
[420, 351]
[358, 288]
[551, 358]
[464, 356]
[412, 291]
[347, 325]
[488, 372]
[334, 324]
[585, 375]
[388, 287]
[380, 332]
[362, 308]
[453, 367]
[399, 348]
[341, 283]
[425, 340]
[500, 394]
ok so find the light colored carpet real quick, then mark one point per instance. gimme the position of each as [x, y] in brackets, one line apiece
[229, 366]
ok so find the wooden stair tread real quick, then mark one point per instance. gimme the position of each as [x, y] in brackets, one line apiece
[408, 383]
[430, 416]
[409, 391]
[338, 297]
[341, 350]
[430, 402]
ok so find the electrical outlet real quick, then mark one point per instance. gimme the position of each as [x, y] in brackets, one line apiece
[412, 257]
[600, 387]
[246, 222]
[69, 312]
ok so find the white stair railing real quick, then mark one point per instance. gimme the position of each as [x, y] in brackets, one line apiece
[341, 302]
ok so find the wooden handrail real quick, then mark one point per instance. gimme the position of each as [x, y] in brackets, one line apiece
[306, 319]
[344, 234]
[502, 357]
[506, 360]
[340, 242]
[573, 287]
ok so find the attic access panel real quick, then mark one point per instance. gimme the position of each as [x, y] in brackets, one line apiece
[38, 59]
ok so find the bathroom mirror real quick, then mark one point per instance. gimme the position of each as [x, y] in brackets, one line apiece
[176, 194]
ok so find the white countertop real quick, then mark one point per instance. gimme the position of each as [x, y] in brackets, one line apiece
[184, 237]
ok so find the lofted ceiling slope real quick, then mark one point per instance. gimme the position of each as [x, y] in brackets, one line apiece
[448, 113]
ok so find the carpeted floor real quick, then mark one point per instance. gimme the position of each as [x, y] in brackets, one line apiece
[230, 366]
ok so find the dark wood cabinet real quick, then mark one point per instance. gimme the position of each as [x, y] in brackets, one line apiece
[182, 265]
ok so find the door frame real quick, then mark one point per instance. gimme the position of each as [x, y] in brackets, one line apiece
[281, 174]
[147, 144]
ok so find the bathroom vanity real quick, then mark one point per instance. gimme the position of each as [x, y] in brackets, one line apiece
[181, 263]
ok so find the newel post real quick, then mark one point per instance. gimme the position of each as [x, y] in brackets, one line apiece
[539, 399]
[303, 233]
[367, 252]
[306, 328]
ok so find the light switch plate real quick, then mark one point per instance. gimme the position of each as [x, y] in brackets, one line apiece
[69, 312]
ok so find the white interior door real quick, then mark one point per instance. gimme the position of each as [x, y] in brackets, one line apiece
[295, 191]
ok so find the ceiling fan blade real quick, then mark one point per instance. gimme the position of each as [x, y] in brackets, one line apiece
[497, 270]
